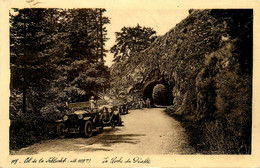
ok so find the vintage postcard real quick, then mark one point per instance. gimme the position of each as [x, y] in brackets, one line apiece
[129, 83]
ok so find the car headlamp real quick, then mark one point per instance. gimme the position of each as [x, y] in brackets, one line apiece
[80, 116]
[65, 118]
[116, 112]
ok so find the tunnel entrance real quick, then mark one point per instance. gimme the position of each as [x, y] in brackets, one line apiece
[158, 92]
[161, 95]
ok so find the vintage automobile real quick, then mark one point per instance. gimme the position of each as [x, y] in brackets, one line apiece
[110, 116]
[123, 109]
[80, 121]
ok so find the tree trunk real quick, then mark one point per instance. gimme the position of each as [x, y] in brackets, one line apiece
[101, 34]
[24, 99]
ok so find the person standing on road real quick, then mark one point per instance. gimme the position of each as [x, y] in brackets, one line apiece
[142, 103]
[148, 103]
[139, 104]
[92, 103]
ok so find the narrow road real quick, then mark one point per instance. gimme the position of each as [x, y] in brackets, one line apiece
[145, 132]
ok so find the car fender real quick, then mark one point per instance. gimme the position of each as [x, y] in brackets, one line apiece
[101, 116]
[58, 121]
[116, 113]
[87, 118]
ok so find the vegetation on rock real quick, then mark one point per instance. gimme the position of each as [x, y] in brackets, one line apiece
[207, 61]
[131, 40]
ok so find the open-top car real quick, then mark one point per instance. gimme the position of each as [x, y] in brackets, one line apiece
[110, 116]
[80, 121]
[123, 109]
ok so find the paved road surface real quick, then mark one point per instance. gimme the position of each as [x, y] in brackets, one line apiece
[145, 132]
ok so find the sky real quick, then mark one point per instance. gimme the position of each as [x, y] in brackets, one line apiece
[161, 20]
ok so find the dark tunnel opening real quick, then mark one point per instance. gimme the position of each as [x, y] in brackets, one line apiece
[158, 93]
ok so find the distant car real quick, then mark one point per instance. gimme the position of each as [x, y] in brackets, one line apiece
[110, 116]
[80, 121]
[123, 109]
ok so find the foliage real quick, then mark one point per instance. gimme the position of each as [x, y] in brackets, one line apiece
[207, 61]
[56, 56]
[131, 40]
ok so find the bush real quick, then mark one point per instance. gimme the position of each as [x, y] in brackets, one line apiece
[29, 128]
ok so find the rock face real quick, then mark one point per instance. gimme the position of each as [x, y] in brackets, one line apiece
[206, 60]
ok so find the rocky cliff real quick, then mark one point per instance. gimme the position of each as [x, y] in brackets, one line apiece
[206, 62]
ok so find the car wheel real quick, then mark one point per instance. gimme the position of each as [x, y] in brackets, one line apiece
[120, 121]
[61, 130]
[101, 127]
[88, 129]
[112, 124]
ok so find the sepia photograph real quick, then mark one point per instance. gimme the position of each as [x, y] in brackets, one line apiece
[138, 82]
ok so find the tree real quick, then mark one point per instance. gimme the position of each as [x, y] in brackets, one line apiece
[131, 40]
[52, 51]
[82, 29]
[27, 60]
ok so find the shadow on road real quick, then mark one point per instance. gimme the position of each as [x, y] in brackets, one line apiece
[109, 138]
[99, 141]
